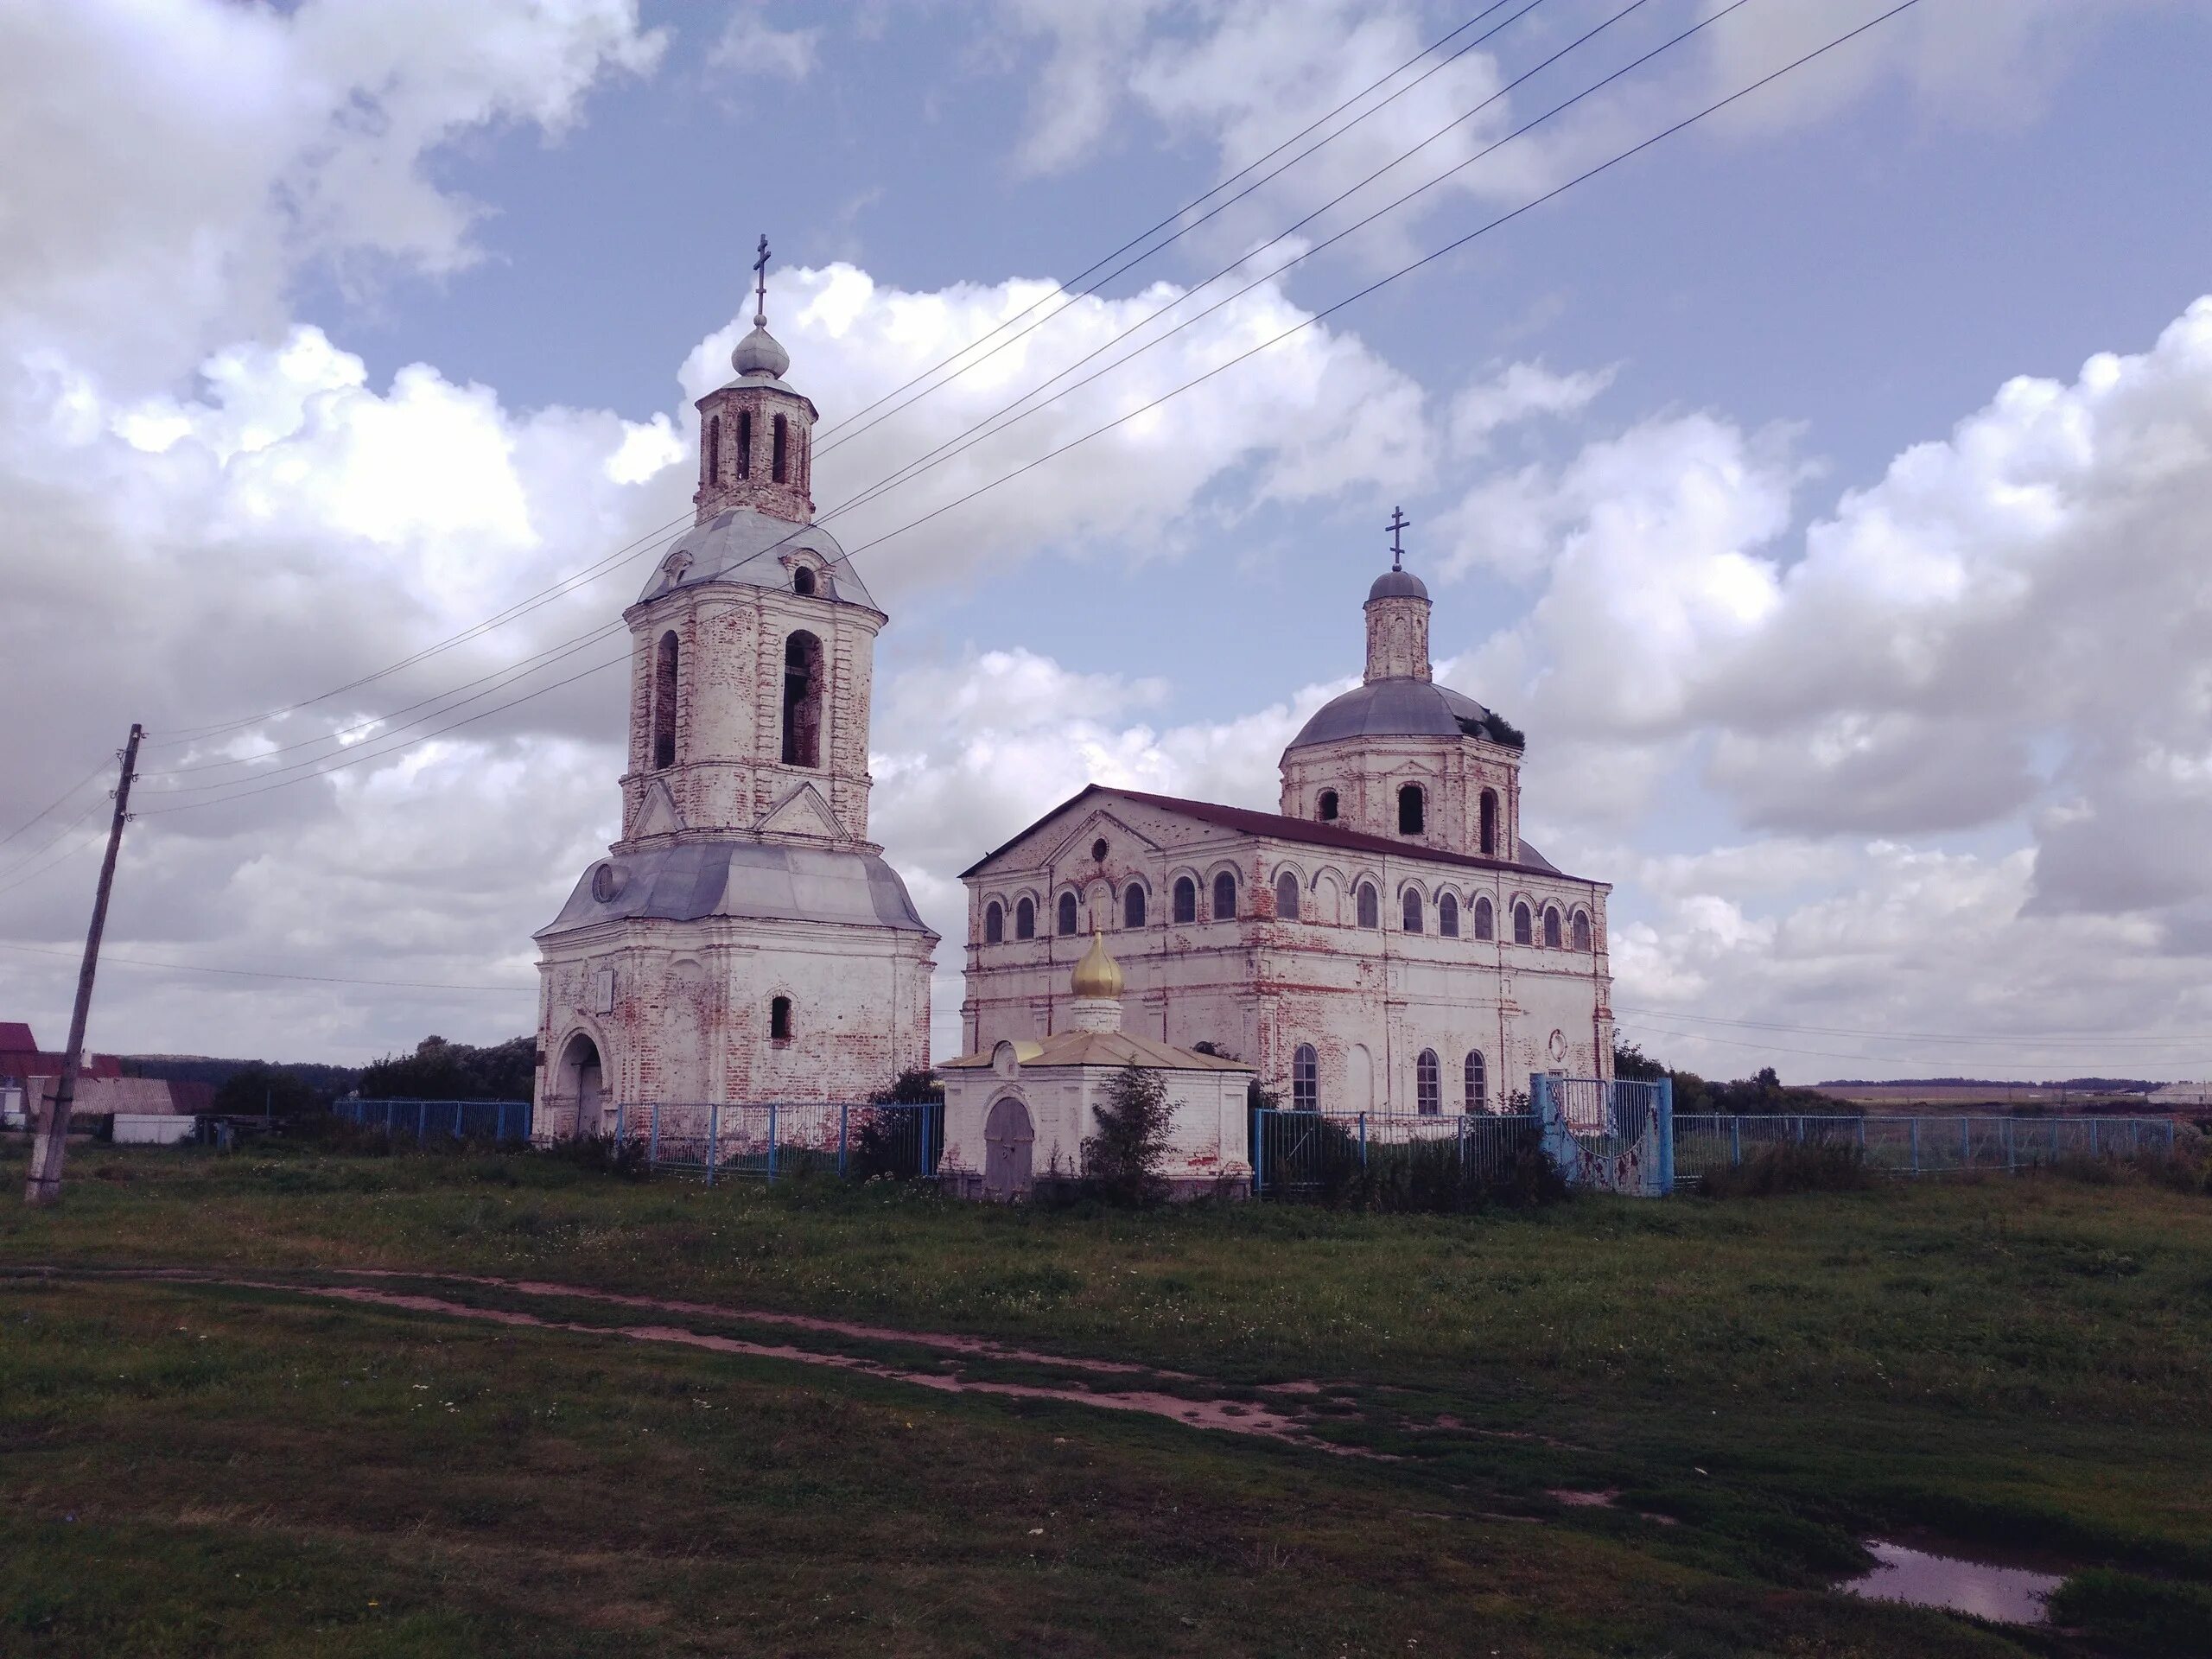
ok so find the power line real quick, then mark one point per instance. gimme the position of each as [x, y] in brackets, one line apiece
[98, 766]
[1220, 368]
[1877, 1059]
[259, 973]
[61, 836]
[1219, 208]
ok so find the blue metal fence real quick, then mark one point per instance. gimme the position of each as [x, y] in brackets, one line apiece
[855, 1140]
[1609, 1134]
[459, 1120]
[1920, 1146]
[1299, 1154]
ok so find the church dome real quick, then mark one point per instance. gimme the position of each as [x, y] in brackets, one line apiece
[1397, 584]
[1097, 975]
[760, 354]
[1403, 708]
[746, 545]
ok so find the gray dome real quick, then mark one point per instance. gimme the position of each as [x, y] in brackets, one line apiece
[1397, 584]
[745, 545]
[691, 880]
[1403, 709]
[760, 354]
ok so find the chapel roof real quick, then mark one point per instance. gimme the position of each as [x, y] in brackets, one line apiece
[744, 545]
[1403, 708]
[1108, 1048]
[1278, 827]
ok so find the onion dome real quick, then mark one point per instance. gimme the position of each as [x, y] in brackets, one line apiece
[1397, 584]
[760, 354]
[1097, 976]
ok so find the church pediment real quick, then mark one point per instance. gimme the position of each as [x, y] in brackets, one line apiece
[659, 817]
[803, 813]
[1076, 838]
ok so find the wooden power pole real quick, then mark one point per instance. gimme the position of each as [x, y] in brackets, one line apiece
[44, 1186]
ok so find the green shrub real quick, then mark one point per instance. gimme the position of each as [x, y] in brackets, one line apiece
[1773, 1170]
[1121, 1162]
[602, 1154]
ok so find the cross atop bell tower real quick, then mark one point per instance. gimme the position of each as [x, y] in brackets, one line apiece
[1398, 525]
[756, 435]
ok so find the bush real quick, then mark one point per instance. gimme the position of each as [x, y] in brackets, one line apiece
[603, 1154]
[2126, 1614]
[1775, 1170]
[1121, 1163]
[884, 1146]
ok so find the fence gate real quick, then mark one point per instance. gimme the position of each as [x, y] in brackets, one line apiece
[1606, 1133]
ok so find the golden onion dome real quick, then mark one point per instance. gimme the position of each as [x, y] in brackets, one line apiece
[1097, 975]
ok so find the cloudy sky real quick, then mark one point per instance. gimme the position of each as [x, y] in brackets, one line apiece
[1826, 489]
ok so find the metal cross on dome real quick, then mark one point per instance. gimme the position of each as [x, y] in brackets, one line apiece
[761, 292]
[1397, 527]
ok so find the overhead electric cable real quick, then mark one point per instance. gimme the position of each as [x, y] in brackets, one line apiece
[2040, 1039]
[55, 839]
[1425, 259]
[1876, 1059]
[98, 767]
[835, 431]
[256, 973]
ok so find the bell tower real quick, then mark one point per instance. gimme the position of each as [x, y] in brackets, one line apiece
[756, 435]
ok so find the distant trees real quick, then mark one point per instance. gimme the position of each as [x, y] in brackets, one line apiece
[257, 1086]
[439, 1070]
[1761, 1094]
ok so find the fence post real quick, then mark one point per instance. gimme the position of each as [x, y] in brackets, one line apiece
[1362, 1140]
[499, 1124]
[772, 1143]
[844, 1120]
[2010, 1163]
[2093, 1137]
[713, 1138]
[1965, 1143]
[456, 1120]
[421, 1123]
[652, 1139]
[1735, 1143]
[1666, 1135]
[1260, 1153]
[2170, 1137]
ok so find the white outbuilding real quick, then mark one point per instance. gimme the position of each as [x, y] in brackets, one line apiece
[1021, 1112]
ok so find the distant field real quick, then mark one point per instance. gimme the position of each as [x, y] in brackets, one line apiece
[255, 1466]
[1972, 1096]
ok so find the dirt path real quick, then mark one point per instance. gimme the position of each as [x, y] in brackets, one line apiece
[1289, 1423]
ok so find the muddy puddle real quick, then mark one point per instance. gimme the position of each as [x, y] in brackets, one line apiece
[1919, 1578]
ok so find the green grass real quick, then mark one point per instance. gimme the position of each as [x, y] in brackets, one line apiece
[192, 1469]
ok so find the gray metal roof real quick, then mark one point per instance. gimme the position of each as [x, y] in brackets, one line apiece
[1398, 584]
[691, 881]
[1402, 708]
[745, 545]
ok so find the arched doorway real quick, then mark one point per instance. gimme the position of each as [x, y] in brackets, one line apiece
[1007, 1137]
[581, 1081]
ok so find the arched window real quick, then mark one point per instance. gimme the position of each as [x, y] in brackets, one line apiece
[715, 449]
[1412, 810]
[1067, 912]
[1448, 916]
[1521, 931]
[803, 579]
[1305, 1080]
[1581, 934]
[1186, 900]
[1370, 905]
[1133, 906]
[1025, 919]
[1551, 927]
[1411, 908]
[1428, 1084]
[1325, 808]
[745, 444]
[1485, 920]
[1490, 823]
[1478, 1083]
[1225, 897]
[779, 1020]
[1287, 897]
[666, 662]
[994, 924]
[802, 701]
[778, 465]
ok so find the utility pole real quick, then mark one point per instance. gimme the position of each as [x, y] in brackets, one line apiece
[44, 1186]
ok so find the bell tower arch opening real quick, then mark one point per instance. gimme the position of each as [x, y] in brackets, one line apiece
[667, 661]
[802, 700]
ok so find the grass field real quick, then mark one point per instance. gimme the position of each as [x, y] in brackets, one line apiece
[241, 1462]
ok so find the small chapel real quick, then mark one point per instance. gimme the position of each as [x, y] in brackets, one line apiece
[1386, 941]
[743, 940]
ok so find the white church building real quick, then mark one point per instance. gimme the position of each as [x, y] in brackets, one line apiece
[743, 941]
[1387, 942]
